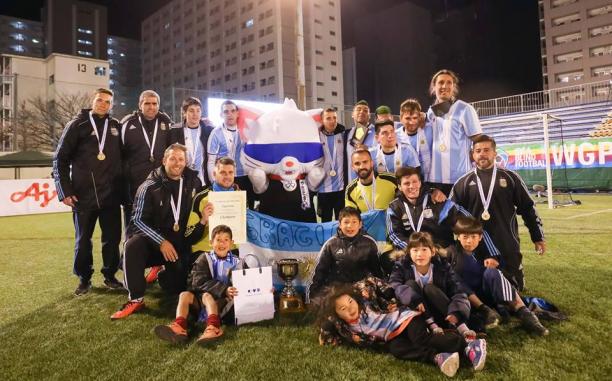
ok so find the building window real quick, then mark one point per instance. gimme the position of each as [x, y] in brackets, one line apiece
[601, 71]
[18, 25]
[567, 38]
[559, 3]
[18, 36]
[333, 63]
[319, 99]
[568, 57]
[599, 11]
[601, 51]
[332, 48]
[332, 33]
[570, 77]
[85, 42]
[318, 52]
[83, 30]
[320, 84]
[36, 41]
[334, 78]
[600, 31]
[51, 79]
[100, 70]
[334, 93]
[566, 19]
[85, 53]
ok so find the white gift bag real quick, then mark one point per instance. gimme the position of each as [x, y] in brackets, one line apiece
[255, 299]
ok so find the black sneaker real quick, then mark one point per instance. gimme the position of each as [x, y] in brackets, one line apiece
[113, 283]
[490, 316]
[83, 288]
[531, 323]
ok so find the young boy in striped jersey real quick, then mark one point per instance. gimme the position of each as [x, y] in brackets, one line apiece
[209, 287]
[484, 283]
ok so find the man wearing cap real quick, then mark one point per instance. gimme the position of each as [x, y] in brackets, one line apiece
[362, 133]
[383, 112]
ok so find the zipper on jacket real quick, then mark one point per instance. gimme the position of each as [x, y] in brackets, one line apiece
[93, 180]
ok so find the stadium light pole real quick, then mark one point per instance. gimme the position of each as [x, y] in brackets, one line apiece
[300, 77]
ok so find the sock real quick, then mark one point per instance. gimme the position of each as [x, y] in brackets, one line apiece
[181, 321]
[462, 328]
[213, 320]
[432, 324]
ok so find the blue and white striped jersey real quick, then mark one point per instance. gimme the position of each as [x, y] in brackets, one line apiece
[333, 144]
[451, 143]
[224, 142]
[421, 142]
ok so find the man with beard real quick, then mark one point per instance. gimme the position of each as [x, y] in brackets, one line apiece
[495, 196]
[156, 234]
[362, 133]
[388, 155]
[369, 191]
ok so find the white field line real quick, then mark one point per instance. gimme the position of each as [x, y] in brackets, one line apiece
[588, 214]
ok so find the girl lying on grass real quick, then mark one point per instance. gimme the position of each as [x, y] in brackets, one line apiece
[350, 317]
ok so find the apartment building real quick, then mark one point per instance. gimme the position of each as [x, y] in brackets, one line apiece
[243, 50]
[576, 44]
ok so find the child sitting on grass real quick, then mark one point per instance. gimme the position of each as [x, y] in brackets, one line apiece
[349, 317]
[346, 257]
[483, 281]
[209, 288]
[424, 282]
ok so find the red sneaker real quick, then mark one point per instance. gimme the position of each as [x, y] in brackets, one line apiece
[211, 333]
[172, 333]
[153, 273]
[128, 309]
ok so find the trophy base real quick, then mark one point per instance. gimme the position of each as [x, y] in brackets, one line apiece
[291, 304]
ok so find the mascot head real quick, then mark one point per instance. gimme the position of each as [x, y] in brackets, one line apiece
[283, 143]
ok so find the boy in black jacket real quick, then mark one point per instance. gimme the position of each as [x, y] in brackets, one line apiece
[483, 282]
[424, 282]
[209, 287]
[347, 257]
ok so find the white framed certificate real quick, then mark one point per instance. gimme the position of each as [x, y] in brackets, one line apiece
[230, 210]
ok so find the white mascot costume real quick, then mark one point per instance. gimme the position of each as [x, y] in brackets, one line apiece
[283, 157]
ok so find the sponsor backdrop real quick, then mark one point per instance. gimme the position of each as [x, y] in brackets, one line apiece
[29, 197]
[577, 164]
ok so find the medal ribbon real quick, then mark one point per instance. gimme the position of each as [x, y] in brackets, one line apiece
[329, 157]
[487, 201]
[93, 125]
[193, 145]
[363, 194]
[151, 146]
[397, 158]
[421, 216]
[230, 141]
[176, 209]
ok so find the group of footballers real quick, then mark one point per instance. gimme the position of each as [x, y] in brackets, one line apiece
[433, 173]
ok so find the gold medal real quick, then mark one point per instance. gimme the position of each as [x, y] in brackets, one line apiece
[151, 159]
[175, 227]
[101, 156]
[442, 147]
[485, 215]
[332, 173]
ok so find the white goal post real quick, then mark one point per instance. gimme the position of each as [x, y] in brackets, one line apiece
[542, 118]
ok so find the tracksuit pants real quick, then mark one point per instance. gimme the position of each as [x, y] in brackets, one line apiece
[84, 224]
[417, 343]
[140, 253]
[329, 205]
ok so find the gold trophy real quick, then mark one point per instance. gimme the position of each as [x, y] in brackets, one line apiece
[290, 300]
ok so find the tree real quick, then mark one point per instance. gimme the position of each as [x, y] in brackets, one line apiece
[41, 122]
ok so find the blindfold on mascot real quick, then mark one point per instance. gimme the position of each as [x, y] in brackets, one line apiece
[283, 158]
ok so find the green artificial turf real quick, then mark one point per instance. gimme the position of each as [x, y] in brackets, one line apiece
[47, 333]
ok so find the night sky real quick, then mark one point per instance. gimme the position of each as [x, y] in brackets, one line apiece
[493, 45]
